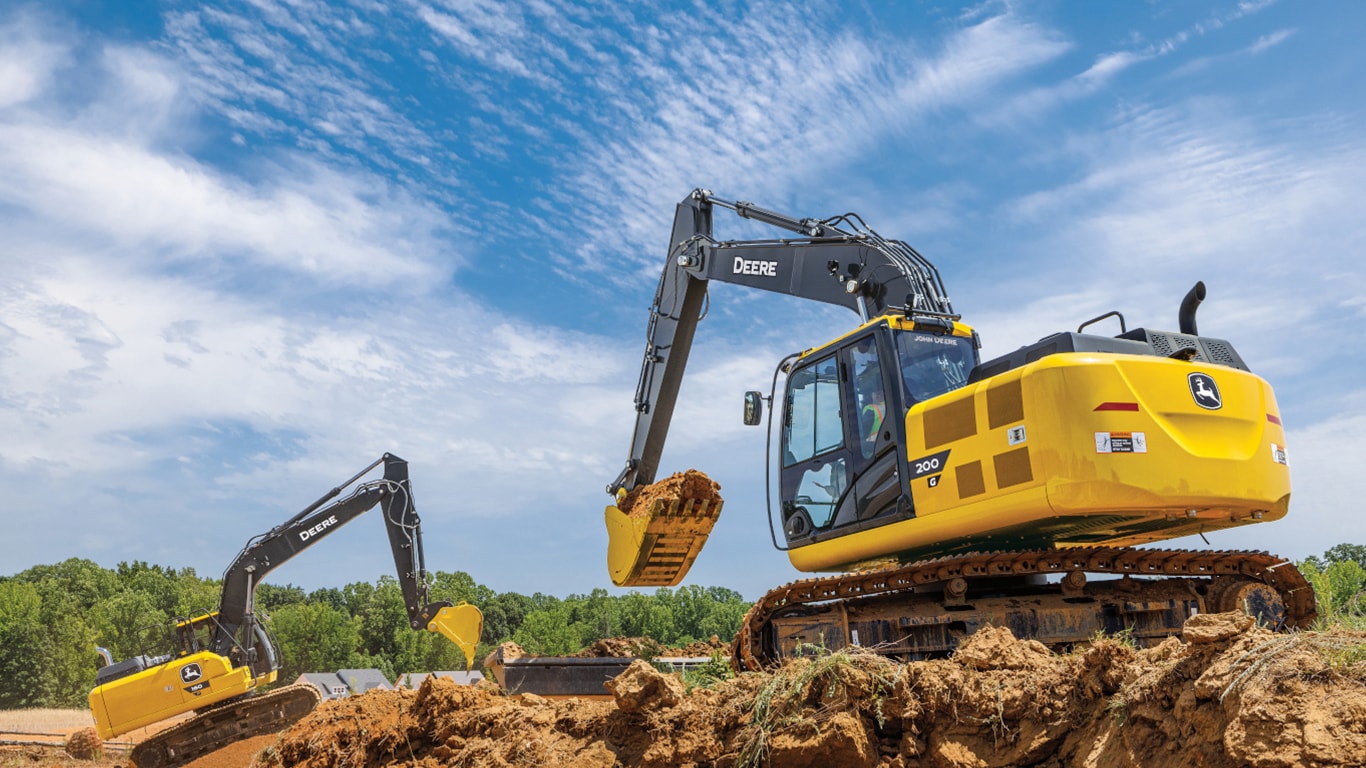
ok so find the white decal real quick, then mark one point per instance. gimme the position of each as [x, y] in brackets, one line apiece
[1278, 454]
[317, 529]
[754, 267]
[1121, 442]
[1015, 435]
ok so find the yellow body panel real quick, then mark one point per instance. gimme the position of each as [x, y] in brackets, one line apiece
[1080, 449]
[167, 690]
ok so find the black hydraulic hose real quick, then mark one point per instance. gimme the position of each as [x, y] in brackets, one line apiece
[768, 451]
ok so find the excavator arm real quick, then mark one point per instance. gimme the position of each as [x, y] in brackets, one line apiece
[393, 494]
[838, 260]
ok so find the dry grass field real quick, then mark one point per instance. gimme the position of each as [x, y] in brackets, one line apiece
[44, 720]
[51, 726]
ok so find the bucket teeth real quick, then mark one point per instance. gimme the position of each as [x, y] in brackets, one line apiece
[657, 549]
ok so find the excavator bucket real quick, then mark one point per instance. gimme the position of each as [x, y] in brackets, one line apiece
[462, 624]
[656, 543]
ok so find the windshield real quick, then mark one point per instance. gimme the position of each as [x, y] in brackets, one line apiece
[932, 364]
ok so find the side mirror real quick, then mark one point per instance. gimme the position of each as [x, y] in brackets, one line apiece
[754, 408]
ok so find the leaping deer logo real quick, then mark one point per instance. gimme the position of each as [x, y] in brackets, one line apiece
[1205, 391]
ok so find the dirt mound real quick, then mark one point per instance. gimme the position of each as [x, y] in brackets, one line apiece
[1233, 695]
[691, 484]
[85, 744]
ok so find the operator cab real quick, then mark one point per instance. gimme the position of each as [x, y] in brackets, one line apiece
[844, 415]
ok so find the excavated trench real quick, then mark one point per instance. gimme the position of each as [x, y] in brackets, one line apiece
[1227, 694]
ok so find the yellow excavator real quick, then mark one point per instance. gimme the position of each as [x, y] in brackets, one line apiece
[218, 664]
[948, 493]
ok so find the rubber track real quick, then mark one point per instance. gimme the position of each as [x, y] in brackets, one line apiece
[216, 712]
[1278, 573]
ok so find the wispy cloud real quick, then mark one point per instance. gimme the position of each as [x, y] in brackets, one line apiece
[1259, 46]
[1033, 103]
[769, 109]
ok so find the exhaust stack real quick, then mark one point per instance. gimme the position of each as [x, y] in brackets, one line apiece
[1186, 315]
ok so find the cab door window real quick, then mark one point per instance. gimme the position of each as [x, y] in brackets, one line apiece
[815, 468]
[815, 422]
[870, 400]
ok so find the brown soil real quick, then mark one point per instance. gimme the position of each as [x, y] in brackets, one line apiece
[1230, 695]
[237, 755]
[691, 484]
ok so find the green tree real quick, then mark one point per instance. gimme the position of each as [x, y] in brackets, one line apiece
[24, 645]
[196, 596]
[159, 585]
[67, 591]
[459, 586]
[82, 581]
[313, 637]
[548, 633]
[329, 596]
[383, 619]
[1340, 590]
[504, 614]
[129, 624]
[270, 597]
[1341, 553]
[358, 595]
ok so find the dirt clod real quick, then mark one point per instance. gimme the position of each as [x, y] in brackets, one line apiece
[1247, 698]
[85, 744]
[642, 688]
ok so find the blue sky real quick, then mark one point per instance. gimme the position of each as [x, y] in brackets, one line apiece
[250, 246]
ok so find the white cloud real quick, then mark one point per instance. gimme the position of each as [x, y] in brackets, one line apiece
[1035, 102]
[770, 109]
[1267, 42]
[29, 56]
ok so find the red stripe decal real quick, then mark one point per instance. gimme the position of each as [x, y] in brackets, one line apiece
[1117, 407]
[1273, 419]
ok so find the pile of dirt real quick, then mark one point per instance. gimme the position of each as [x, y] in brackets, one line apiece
[85, 744]
[1230, 695]
[689, 485]
[646, 648]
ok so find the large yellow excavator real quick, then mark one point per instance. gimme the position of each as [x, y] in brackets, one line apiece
[217, 664]
[948, 493]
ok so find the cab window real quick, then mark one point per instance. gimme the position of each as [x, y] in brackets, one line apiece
[870, 402]
[814, 423]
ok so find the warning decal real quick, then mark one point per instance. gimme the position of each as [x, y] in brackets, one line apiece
[1121, 442]
[1278, 454]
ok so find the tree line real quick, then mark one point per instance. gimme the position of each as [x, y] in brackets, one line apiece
[53, 616]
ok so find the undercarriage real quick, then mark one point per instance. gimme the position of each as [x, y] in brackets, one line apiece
[1058, 597]
[218, 726]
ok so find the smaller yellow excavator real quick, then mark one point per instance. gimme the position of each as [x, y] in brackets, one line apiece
[219, 662]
